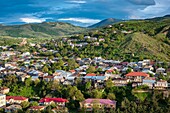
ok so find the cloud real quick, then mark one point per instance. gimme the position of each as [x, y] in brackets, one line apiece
[142, 2]
[81, 20]
[77, 1]
[32, 20]
[160, 8]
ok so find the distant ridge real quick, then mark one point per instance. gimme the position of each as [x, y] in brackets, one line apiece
[159, 18]
[105, 22]
[40, 30]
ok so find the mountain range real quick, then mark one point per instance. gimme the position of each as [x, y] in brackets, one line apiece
[149, 37]
[55, 29]
[105, 22]
[40, 30]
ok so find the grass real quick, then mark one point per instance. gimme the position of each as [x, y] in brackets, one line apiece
[142, 96]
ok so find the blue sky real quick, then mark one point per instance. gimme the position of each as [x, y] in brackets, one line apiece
[79, 12]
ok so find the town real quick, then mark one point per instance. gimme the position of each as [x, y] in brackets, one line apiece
[41, 79]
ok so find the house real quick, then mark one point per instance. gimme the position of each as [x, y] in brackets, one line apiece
[34, 78]
[91, 74]
[63, 73]
[141, 63]
[15, 99]
[12, 108]
[23, 77]
[58, 101]
[105, 103]
[136, 76]
[160, 70]
[101, 40]
[148, 72]
[60, 110]
[72, 71]
[148, 68]
[109, 72]
[37, 108]
[97, 78]
[120, 81]
[48, 78]
[4, 90]
[161, 84]
[2, 100]
[149, 81]
[87, 37]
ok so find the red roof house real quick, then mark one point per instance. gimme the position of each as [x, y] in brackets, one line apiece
[4, 90]
[15, 99]
[136, 76]
[58, 101]
[91, 74]
[72, 71]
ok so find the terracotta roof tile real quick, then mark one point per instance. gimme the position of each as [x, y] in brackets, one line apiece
[137, 74]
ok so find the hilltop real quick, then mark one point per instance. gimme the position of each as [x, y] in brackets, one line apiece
[105, 22]
[130, 40]
[40, 30]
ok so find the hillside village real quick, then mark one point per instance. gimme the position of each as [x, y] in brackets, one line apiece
[46, 67]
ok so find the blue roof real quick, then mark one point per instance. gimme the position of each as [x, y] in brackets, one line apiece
[95, 77]
[149, 81]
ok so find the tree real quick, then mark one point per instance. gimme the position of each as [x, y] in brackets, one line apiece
[88, 85]
[81, 37]
[79, 96]
[45, 69]
[34, 103]
[128, 70]
[111, 96]
[125, 103]
[109, 83]
[96, 94]
[91, 69]
[1, 82]
[25, 104]
[48, 109]
[11, 79]
[72, 64]
[28, 82]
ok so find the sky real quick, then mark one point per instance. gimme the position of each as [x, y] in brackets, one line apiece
[79, 12]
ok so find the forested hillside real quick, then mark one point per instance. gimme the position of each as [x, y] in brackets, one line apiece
[41, 30]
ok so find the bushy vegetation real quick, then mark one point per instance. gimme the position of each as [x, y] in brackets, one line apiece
[127, 101]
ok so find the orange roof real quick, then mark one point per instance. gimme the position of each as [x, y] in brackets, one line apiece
[137, 74]
[72, 71]
[91, 74]
[16, 98]
[109, 71]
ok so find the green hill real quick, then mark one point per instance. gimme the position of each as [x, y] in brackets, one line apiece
[132, 40]
[40, 30]
[141, 44]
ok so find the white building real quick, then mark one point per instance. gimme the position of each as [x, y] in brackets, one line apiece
[2, 100]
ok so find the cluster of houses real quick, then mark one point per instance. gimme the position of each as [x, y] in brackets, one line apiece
[14, 103]
[121, 73]
[141, 72]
